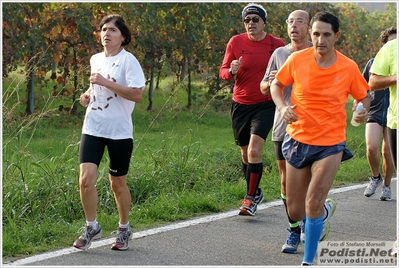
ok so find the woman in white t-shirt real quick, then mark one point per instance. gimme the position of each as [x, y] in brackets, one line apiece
[116, 84]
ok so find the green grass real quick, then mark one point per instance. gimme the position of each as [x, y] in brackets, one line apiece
[184, 164]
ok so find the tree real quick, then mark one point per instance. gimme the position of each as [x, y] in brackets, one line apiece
[148, 38]
[187, 38]
[69, 33]
[357, 40]
[23, 43]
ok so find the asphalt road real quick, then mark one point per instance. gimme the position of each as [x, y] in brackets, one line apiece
[227, 239]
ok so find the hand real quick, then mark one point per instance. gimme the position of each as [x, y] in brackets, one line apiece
[235, 65]
[85, 99]
[288, 114]
[361, 117]
[97, 78]
[266, 84]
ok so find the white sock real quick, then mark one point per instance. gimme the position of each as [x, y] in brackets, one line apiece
[93, 224]
[124, 225]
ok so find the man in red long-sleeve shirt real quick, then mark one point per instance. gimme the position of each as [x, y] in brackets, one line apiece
[252, 113]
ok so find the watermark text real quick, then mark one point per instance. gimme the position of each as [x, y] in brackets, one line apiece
[359, 253]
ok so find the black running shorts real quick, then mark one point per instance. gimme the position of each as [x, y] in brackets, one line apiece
[251, 119]
[92, 149]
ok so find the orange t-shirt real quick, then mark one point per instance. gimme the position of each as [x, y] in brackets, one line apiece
[321, 95]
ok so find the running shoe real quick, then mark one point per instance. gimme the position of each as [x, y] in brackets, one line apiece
[293, 240]
[248, 207]
[88, 235]
[330, 205]
[372, 186]
[122, 238]
[386, 193]
[325, 231]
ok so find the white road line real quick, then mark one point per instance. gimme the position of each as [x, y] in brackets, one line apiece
[166, 228]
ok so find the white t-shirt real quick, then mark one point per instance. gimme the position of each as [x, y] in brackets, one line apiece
[109, 115]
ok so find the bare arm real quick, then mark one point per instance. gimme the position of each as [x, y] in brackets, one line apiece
[286, 111]
[378, 82]
[265, 84]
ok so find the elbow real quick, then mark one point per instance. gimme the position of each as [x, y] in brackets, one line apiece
[137, 95]
[224, 74]
[371, 82]
[224, 78]
[377, 82]
[372, 85]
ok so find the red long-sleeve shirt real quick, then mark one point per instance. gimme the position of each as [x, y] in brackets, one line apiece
[255, 57]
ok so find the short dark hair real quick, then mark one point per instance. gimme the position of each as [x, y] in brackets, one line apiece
[327, 18]
[120, 24]
[386, 33]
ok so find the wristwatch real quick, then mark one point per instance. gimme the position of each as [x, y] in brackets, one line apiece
[231, 72]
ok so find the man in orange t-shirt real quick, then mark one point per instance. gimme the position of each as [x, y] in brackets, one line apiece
[315, 143]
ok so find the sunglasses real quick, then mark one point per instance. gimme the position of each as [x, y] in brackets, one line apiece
[298, 21]
[254, 19]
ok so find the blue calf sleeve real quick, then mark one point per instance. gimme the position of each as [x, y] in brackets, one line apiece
[313, 228]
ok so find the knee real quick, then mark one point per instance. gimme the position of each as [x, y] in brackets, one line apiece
[386, 153]
[115, 186]
[87, 178]
[118, 186]
[254, 152]
[372, 150]
[86, 181]
[314, 207]
[295, 214]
